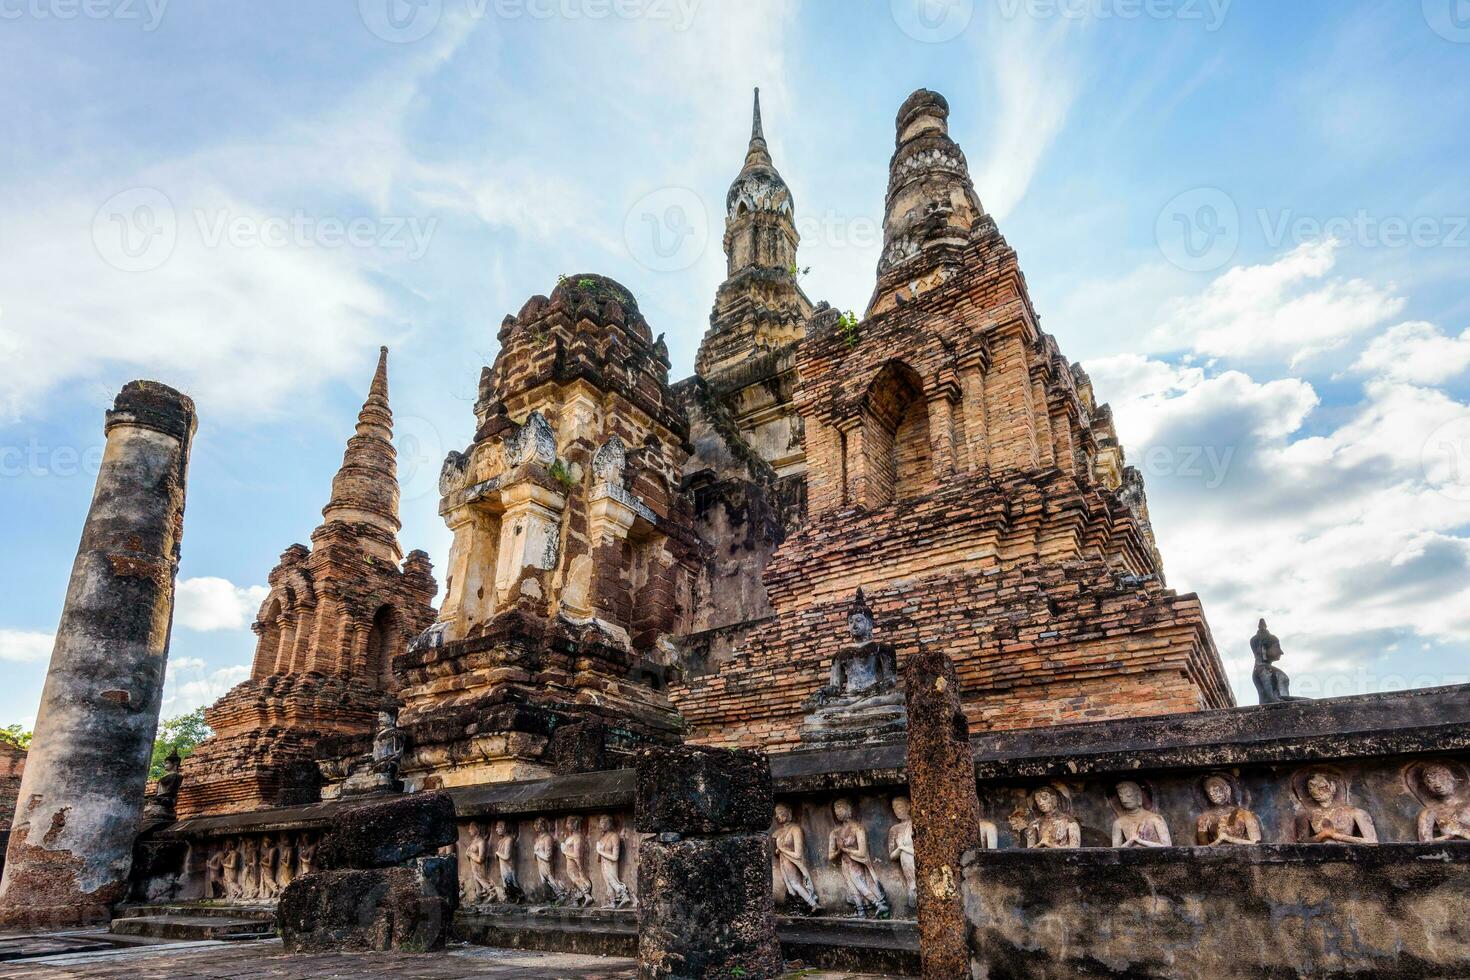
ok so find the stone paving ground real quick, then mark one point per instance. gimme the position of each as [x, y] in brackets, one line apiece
[265, 960]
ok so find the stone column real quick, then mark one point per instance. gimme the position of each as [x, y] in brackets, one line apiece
[71, 843]
[706, 907]
[946, 808]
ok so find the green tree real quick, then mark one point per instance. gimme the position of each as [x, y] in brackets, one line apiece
[16, 735]
[182, 734]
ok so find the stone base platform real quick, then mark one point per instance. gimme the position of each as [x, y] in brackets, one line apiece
[195, 922]
[831, 943]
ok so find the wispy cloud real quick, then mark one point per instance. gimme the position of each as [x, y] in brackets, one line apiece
[24, 646]
[211, 604]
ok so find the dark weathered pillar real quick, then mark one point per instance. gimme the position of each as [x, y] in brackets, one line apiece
[81, 797]
[946, 809]
[704, 881]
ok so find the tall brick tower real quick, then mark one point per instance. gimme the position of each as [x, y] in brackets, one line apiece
[336, 616]
[959, 471]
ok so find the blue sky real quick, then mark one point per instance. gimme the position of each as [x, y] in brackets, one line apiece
[1247, 219]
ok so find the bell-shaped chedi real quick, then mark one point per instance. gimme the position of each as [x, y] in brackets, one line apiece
[573, 551]
[336, 616]
[931, 207]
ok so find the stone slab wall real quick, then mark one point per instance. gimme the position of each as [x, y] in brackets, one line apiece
[1400, 910]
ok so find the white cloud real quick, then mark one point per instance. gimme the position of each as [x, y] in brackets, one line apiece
[1347, 542]
[1287, 309]
[189, 685]
[1034, 76]
[1416, 352]
[23, 646]
[209, 604]
[246, 328]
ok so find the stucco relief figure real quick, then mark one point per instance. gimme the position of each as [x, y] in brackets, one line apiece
[544, 850]
[1224, 821]
[305, 855]
[609, 851]
[267, 887]
[1050, 826]
[1272, 684]
[1446, 813]
[230, 870]
[573, 855]
[1136, 825]
[478, 885]
[847, 847]
[790, 856]
[901, 847]
[285, 863]
[214, 872]
[1328, 815]
[250, 869]
[989, 832]
[505, 863]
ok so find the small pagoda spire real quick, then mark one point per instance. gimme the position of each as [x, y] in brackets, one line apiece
[758, 155]
[365, 489]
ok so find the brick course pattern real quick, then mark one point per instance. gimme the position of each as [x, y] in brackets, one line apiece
[336, 616]
[959, 470]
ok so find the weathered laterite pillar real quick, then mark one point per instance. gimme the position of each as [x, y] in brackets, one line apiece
[704, 881]
[946, 809]
[81, 797]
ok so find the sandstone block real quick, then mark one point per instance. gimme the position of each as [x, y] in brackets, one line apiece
[687, 789]
[381, 835]
[370, 909]
[707, 909]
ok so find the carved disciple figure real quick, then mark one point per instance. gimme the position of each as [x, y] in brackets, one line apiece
[847, 847]
[573, 850]
[790, 843]
[901, 847]
[230, 867]
[214, 871]
[250, 869]
[305, 855]
[1050, 827]
[477, 884]
[1446, 814]
[1223, 820]
[544, 848]
[1328, 819]
[505, 860]
[609, 850]
[285, 864]
[267, 887]
[1137, 825]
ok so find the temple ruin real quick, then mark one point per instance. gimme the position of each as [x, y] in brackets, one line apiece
[693, 633]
